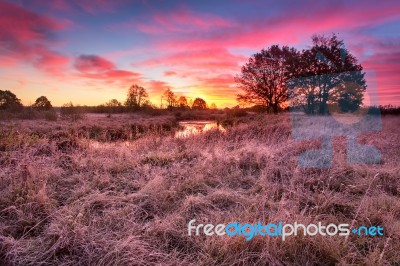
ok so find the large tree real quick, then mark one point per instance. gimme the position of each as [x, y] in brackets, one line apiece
[331, 76]
[136, 97]
[42, 103]
[9, 101]
[263, 78]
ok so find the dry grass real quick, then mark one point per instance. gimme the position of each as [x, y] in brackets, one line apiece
[65, 202]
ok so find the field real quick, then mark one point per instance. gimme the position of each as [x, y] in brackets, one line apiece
[68, 200]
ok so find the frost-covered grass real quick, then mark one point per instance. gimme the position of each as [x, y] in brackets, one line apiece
[66, 202]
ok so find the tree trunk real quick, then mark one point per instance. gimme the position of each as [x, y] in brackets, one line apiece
[275, 108]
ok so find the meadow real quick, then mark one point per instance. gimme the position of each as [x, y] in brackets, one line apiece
[65, 201]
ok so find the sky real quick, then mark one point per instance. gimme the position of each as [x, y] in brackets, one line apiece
[90, 51]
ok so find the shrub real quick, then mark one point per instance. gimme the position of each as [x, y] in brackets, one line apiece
[50, 115]
[5, 115]
[28, 113]
[237, 112]
[70, 112]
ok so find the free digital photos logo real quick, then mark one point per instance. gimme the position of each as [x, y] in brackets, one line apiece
[282, 230]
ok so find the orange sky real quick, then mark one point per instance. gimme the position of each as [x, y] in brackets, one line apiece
[89, 52]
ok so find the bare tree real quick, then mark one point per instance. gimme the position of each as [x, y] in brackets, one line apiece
[136, 97]
[170, 97]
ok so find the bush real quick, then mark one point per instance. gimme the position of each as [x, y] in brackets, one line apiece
[153, 112]
[5, 115]
[28, 113]
[70, 112]
[50, 115]
[236, 112]
[389, 110]
[258, 109]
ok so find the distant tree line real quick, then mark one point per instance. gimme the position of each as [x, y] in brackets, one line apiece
[182, 102]
[11, 107]
[9, 101]
[321, 79]
[137, 99]
[385, 109]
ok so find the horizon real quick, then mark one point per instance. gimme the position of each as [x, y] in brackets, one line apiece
[89, 52]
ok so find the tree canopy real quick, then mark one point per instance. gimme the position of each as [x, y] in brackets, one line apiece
[328, 72]
[324, 75]
[182, 102]
[213, 106]
[113, 103]
[42, 103]
[136, 97]
[199, 103]
[9, 101]
[263, 78]
[170, 98]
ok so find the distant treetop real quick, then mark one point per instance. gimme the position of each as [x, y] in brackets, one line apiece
[42, 103]
[9, 101]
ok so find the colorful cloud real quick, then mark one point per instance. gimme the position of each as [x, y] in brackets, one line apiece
[28, 37]
[101, 47]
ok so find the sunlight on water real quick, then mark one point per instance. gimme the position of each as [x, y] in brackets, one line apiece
[191, 128]
[186, 129]
[107, 145]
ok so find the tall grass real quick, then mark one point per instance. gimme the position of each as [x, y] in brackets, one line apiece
[76, 204]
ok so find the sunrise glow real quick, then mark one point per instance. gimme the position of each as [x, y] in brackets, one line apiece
[89, 52]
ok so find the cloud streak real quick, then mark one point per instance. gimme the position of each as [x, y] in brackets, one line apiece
[26, 37]
[98, 68]
[197, 48]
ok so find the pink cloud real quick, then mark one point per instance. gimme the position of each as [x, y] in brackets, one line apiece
[210, 71]
[185, 20]
[387, 69]
[156, 86]
[98, 68]
[218, 81]
[181, 20]
[93, 63]
[98, 6]
[52, 62]
[26, 37]
[198, 45]
[170, 73]
[295, 26]
[206, 59]
[204, 56]
[88, 6]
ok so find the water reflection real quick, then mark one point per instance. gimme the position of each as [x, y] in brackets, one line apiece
[190, 128]
[107, 145]
[186, 129]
